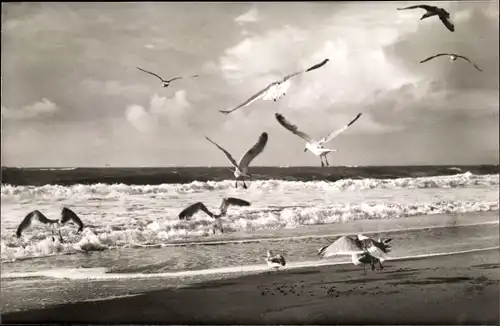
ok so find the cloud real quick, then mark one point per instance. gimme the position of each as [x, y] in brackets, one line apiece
[161, 111]
[250, 16]
[39, 109]
[114, 87]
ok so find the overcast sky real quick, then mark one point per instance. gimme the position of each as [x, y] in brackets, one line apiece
[72, 96]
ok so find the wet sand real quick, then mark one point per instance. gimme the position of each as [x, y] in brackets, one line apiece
[454, 289]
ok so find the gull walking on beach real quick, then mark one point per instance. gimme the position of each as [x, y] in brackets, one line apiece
[453, 57]
[164, 82]
[362, 249]
[315, 147]
[275, 89]
[224, 205]
[241, 168]
[435, 11]
[275, 261]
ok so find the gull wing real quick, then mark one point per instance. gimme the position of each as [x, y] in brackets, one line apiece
[435, 56]
[252, 153]
[231, 201]
[28, 219]
[342, 246]
[426, 7]
[68, 215]
[230, 158]
[339, 131]
[293, 128]
[175, 78]
[447, 22]
[151, 73]
[376, 252]
[466, 59]
[193, 209]
[314, 67]
[252, 99]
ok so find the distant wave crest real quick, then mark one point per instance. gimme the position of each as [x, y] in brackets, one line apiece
[115, 190]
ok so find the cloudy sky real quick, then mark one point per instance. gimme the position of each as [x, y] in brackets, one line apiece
[72, 96]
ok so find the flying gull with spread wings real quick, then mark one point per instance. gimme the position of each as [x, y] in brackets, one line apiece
[453, 57]
[34, 217]
[224, 205]
[164, 82]
[435, 11]
[315, 147]
[241, 168]
[362, 249]
[275, 89]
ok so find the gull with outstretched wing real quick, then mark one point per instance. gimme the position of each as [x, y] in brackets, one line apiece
[164, 82]
[241, 168]
[275, 89]
[315, 147]
[434, 11]
[453, 57]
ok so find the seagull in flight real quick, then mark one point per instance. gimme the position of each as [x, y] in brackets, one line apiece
[34, 217]
[241, 168]
[435, 11]
[275, 89]
[453, 57]
[67, 215]
[275, 261]
[165, 83]
[362, 249]
[224, 205]
[315, 147]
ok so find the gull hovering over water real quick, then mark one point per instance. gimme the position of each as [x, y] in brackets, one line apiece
[164, 82]
[315, 147]
[224, 205]
[34, 217]
[435, 11]
[67, 215]
[362, 249]
[275, 89]
[241, 168]
[453, 57]
[275, 261]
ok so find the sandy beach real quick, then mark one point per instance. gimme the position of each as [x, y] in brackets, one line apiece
[453, 289]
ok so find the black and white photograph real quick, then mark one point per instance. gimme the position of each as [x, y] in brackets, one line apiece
[259, 163]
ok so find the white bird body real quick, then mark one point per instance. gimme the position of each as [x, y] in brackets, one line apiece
[275, 261]
[276, 89]
[241, 168]
[315, 147]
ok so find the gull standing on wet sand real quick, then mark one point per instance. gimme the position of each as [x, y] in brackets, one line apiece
[362, 249]
[453, 57]
[224, 205]
[165, 82]
[275, 261]
[241, 168]
[275, 89]
[315, 147]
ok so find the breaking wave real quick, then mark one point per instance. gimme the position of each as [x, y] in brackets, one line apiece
[116, 190]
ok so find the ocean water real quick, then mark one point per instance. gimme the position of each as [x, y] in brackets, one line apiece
[133, 230]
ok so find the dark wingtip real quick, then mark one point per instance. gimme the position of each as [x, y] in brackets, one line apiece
[224, 112]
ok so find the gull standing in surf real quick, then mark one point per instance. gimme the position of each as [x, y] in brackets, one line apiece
[165, 82]
[275, 89]
[315, 147]
[224, 205]
[435, 11]
[362, 249]
[241, 168]
[275, 261]
[453, 57]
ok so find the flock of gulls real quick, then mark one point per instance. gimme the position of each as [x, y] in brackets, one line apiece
[362, 249]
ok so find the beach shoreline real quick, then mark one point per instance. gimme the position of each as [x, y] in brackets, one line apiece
[454, 289]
